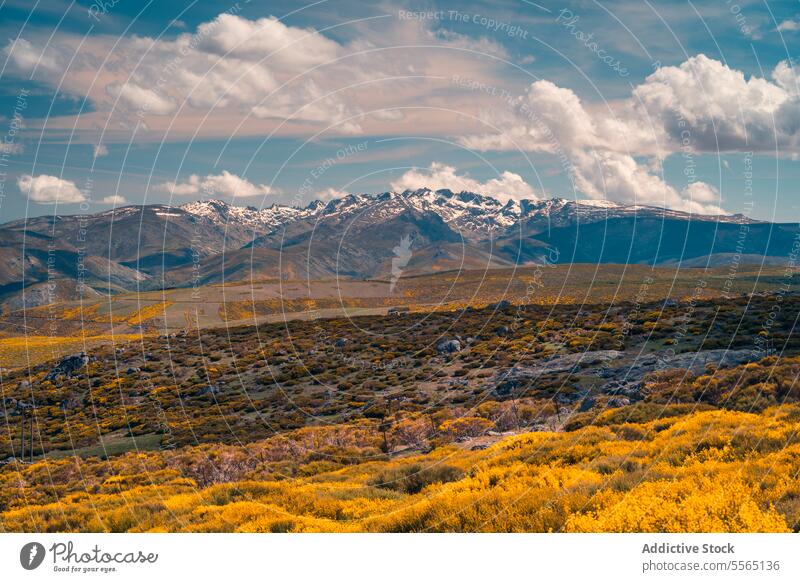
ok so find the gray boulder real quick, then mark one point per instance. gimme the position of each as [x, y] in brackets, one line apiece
[449, 346]
[68, 366]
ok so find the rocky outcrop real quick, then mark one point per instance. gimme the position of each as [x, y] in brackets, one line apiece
[67, 367]
[449, 346]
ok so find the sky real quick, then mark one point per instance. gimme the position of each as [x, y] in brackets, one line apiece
[687, 105]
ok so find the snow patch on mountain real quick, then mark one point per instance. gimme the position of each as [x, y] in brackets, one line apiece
[467, 212]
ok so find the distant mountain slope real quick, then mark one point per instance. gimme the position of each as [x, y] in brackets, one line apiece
[651, 240]
[361, 236]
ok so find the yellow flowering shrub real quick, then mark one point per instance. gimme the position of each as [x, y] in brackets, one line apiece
[707, 471]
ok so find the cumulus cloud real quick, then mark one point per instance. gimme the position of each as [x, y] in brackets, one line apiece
[785, 75]
[99, 151]
[553, 120]
[46, 189]
[620, 178]
[114, 199]
[789, 26]
[716, 108]
[330, 194]
[289, 48]
[548, 118]
[615, 151]
[226, 184]
[702, 105]
[508, 186]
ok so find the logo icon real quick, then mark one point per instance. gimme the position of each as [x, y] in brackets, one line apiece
[402, 255]
[31, 555]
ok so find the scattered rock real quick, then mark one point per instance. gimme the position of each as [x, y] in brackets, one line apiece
[618, 402]
[22, 407]
[562, 398]
[568, 363]
[502, 331]
[506, 387]
[68, 366]
[340, 343]
[623, 388]
[587, 404]
[449, 346]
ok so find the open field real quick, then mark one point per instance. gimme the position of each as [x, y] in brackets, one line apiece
[267, 301]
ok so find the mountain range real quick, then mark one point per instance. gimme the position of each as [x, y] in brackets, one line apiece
[357, 236]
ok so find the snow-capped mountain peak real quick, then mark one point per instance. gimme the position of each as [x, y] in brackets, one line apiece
[470, 213]
[221, 213]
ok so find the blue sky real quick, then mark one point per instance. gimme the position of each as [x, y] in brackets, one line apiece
[687, 105]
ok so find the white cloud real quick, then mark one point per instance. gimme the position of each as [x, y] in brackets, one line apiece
[46, 189]
[620, 178]
[701, 106]
[24, 56]
[225, 184]
[291, 48]
[718, 109]
[232, 65]
[99, 151]
[114, 199]
[789, 26]
[228, 62]
[140, 99]
[441, 176]
[785, 75]
[701, 193]
[330, 194]
[553, 120]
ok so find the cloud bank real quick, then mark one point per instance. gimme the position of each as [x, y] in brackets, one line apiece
[233, 66]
